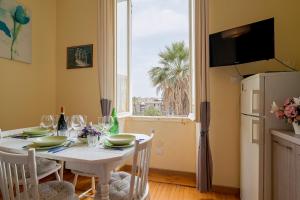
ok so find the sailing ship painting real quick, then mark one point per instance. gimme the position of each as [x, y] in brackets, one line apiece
[15, 31]
[80, 56]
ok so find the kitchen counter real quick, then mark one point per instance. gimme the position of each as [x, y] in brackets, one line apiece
[287, 135]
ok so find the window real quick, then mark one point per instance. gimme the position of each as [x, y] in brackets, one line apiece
[154, 63]
[123, 56]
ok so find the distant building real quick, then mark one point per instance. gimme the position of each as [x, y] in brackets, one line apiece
[141, 104]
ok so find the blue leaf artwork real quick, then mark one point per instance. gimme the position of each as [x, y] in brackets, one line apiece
[20, 15]
[4, 28]
[15, 23]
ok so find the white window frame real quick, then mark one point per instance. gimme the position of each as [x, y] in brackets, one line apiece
[129, 55]
[192, 58]
[129, 65]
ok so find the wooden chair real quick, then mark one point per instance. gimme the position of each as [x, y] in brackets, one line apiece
[9, 172]
[45, 167]
[122, 183]
[92, 176]
[133, 186]
[93, 182]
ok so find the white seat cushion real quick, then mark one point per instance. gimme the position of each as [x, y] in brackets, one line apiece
[119, 186]
[56, 190]
[43, 166]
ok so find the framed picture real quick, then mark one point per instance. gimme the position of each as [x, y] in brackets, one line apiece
[80, 56]
[15, 31]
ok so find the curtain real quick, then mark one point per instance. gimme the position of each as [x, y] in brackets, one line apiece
[204, 159]
[106, 54]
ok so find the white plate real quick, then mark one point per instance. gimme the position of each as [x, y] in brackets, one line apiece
[110, 145]
[120, 139]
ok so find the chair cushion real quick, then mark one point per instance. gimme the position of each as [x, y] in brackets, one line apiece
[119, 186]
[54, 190]
[43, 166]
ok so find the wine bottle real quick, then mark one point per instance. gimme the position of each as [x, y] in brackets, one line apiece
[115, 123]
[62, 124]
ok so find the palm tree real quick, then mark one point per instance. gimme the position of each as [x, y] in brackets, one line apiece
[172, 78]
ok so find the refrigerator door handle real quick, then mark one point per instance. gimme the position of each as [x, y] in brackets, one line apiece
[255, 101]
[255, 131]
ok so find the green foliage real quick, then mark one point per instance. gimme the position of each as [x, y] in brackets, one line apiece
[172, 78]
[151, 111]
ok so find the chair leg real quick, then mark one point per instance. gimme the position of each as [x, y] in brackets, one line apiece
[61, 171]
[57, 176]
[93, 185]
[75, 180]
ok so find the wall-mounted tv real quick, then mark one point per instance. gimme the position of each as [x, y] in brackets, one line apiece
[248, 43]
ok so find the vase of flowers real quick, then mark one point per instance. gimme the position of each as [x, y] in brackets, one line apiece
[90, 134]
[290, 111]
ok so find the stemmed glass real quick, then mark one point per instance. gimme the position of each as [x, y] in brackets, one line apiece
[47, 121]
[55, 122]
[105, 123]
[78, 122]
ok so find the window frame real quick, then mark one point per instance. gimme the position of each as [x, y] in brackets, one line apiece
[129, 112]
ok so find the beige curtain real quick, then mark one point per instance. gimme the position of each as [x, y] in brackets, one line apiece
[201, 54]
[204, 159]
[106, 54]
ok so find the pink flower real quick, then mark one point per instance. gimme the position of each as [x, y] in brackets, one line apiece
[279, 114]
[290, 111]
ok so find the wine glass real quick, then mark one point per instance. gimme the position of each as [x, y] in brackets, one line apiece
[84, 118]
[105, 123]
[69, 126]
[78, 122]
[47, 121]
[55, 121]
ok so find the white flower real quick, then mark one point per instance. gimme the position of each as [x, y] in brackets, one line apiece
[297, 101]
[274, 107]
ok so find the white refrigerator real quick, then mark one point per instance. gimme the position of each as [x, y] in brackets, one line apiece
[257, 94]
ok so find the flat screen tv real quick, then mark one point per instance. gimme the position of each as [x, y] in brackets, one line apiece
[248, 43]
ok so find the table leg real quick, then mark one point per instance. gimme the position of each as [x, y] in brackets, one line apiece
[103, 186]
[61, 171]
[102, 192]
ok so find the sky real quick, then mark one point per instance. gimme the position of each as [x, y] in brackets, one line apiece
[155, 25]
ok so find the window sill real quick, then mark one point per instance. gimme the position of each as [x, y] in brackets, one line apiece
[160, 118]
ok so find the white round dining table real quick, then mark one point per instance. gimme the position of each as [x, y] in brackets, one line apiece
[93, 160]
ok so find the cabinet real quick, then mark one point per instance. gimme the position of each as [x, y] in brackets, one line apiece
[283, 169]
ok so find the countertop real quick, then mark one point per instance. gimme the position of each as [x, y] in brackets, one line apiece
[287, 135]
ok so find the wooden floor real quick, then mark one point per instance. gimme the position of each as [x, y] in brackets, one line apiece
[162, 187]
[163, 191]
